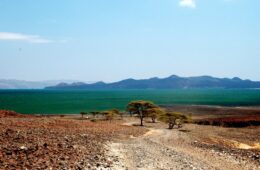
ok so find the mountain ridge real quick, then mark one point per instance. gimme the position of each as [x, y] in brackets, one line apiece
[171, 82]
[23, 84]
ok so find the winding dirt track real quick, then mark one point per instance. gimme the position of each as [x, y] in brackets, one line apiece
[168, 149]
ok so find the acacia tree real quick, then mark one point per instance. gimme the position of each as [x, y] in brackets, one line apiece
[94, 114]
[130, 112]
[173, 118]
[154, 113]
[117, 112]
[141, 108]
[110, 114]
[82, 114]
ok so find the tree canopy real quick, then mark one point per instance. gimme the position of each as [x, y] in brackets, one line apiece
[173, 118]
[110, 114]
[143, 109]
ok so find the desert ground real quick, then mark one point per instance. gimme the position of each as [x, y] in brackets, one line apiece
[191, 147]
[70, 142]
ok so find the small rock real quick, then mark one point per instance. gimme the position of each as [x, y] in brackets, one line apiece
[23, 148]
[45, 145]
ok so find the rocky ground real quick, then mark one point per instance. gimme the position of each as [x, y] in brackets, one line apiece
[67, 142]
[57, 143]
[161, 148]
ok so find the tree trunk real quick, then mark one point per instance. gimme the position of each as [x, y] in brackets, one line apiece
[171, 125]
[141, 118]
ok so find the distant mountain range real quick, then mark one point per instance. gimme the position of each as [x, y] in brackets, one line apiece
[171, 82]
[21, 84]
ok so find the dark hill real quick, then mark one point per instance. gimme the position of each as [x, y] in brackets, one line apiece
[172, 82]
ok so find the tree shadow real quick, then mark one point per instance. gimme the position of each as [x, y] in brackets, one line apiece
[184, 130]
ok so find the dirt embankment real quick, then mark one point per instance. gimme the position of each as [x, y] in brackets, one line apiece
[238, 122]
[13, 114]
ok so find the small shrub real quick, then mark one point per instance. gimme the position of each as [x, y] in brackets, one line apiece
[110, 114]
[93, 120]
[174, 118]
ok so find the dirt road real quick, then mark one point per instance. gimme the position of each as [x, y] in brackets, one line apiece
[161, 148]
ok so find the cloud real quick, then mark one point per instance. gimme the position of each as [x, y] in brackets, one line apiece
[10, 36]
[187, 3]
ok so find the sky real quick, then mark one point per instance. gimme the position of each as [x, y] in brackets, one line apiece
[92, 40]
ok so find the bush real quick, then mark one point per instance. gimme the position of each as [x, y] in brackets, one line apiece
[174, 118]
[110, 114]
[93, 120]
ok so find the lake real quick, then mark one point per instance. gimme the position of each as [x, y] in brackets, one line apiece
[75, 101]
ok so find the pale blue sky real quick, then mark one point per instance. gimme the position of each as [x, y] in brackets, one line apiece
[109, 40]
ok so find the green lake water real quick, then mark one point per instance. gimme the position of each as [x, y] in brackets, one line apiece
[75, 101]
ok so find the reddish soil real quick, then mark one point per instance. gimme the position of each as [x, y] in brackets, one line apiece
[57, 143]
[9, 113]
[202, 112]
[242, 121]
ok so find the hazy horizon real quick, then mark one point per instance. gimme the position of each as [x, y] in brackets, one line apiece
[86, 81]
[115, 40]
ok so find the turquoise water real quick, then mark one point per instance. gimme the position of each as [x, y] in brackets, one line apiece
[75, 101]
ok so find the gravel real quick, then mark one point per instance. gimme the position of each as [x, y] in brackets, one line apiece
[171, 150]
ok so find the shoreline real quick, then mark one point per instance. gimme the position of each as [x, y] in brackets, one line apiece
[166, 106]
